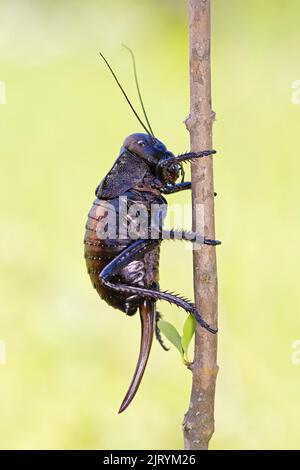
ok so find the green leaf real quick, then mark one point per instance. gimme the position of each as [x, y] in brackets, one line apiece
[188, 332]
[171, 334]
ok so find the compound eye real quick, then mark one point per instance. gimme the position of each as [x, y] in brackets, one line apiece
[141, 143]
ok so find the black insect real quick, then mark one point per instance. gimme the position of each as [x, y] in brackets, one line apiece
[122, 247]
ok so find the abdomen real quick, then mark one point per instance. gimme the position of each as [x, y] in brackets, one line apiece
[100, 251]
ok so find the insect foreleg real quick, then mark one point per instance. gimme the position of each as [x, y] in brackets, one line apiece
[176, 188]
[171, 189]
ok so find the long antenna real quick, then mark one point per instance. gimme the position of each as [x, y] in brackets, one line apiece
[125, 95]
[137, 86]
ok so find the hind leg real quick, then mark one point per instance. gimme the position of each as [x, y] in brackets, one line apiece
[157, 331]
[135, 251]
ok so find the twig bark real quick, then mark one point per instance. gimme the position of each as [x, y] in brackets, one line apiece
[198, 425]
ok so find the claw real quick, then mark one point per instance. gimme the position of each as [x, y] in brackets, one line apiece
[203, 323]
[208, 241]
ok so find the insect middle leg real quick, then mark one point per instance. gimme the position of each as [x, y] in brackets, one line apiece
[177, 234]
[187, 235]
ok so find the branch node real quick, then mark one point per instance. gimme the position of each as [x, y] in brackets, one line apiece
[187, 122]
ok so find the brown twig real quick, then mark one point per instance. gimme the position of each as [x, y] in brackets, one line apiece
[198, 425]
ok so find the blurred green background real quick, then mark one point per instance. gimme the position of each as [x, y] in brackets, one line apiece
[69, 356]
